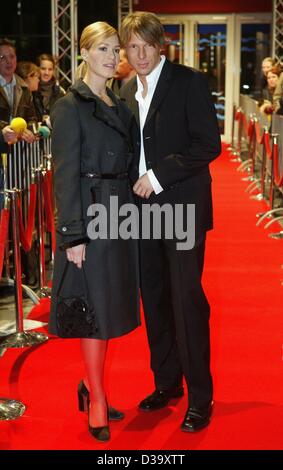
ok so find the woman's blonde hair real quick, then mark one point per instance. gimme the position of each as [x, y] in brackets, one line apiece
[95, 33]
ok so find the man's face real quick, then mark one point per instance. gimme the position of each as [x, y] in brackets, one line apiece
[8, 62]
[142, 56]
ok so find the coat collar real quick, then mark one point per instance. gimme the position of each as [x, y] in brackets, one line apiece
[20, 85]
[101, 110]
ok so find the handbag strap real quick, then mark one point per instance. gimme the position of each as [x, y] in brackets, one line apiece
[85, 286]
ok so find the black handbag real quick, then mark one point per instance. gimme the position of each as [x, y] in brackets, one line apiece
[75, 315]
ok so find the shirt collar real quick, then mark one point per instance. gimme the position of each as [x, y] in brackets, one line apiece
[4, 83]
[153, 76]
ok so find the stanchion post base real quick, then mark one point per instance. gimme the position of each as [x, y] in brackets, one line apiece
[23, 339]
[277, 236]
[45, 292]
[10, 409]
[257, 197]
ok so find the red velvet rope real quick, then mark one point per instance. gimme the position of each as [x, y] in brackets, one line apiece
[251, 127]
[47, 194]
[238, 115]
[266, 142]
[26, 235]
[245, 123]
[4, 226]
[277, 178]
[259, 137]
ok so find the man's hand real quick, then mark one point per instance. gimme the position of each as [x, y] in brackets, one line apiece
[143, 187]
[76, 254]
[27, 136]
[9, 135]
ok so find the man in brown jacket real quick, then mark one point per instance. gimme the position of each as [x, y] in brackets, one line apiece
[15, 97]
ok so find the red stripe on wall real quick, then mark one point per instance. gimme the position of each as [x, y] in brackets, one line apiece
[203, 6]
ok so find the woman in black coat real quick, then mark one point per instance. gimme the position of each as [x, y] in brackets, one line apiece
[92, 153]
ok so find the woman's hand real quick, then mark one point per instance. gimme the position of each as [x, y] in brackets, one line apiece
[76, 254]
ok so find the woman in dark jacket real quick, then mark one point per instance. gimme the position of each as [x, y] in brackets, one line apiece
[92, 158]
[49, 89]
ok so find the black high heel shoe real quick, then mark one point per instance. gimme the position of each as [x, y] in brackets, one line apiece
[101, 433]
[83, 403]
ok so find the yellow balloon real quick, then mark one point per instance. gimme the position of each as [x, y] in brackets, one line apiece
[18, 125]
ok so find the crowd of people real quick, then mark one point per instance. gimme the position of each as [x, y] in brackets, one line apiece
[272, 87]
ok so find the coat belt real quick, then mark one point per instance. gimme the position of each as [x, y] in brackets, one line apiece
[106, 176]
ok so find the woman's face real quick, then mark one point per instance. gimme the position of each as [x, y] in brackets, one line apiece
[46, 70]
[266, 66]
[103, 58]
[272, 79]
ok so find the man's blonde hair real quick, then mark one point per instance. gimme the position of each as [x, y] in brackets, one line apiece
[144, 24]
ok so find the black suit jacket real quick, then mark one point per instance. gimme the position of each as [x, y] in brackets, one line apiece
[181, 137]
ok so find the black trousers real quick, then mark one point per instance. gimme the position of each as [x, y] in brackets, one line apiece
[177, 317]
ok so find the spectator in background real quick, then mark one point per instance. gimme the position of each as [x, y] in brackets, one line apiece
[15, 97]
[49, 89]
[266, 106]
[29, 72]
[16, 101]
[123, 74]
[266, 65]
[278, 96]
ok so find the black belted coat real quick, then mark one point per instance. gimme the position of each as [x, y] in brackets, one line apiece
[91, 138]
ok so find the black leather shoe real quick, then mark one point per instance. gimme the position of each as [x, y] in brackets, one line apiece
[196, 419]
[83, 402]
[160, 398]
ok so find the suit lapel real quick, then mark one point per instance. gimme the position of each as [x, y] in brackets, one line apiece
[161, 89]
[4, 95]
[18, 91]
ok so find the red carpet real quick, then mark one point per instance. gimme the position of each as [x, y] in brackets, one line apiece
[243, 282]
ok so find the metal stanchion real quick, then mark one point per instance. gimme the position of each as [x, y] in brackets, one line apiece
[237, 152]
[271, 188]
[44, 290]
[250, 163]
[273, 211]
[10, 181]
[21, 338]
[231, 146]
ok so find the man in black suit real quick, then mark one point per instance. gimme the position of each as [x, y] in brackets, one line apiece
[179, 138]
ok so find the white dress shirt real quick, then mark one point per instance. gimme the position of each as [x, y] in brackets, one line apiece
[144, 105]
